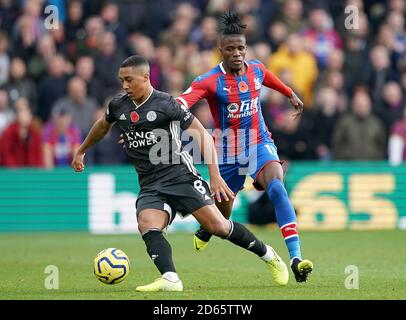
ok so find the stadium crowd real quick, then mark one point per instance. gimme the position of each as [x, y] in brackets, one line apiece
[350, 71]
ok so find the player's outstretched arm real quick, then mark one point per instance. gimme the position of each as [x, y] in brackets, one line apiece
[99, 129]
[218, 186]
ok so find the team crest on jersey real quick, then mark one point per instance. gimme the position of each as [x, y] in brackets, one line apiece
[151, 116]
[242, 86]
[233, 107]
[257, 84]
[134, 116]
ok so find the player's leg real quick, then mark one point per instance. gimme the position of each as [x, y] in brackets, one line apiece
[202, 237]
[270, 178]
[235, 181]
[211, 220]
[151, 222]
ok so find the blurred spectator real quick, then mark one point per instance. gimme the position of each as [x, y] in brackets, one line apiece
[78, 104]
[293, 137]
[403, 83]
[52, 86]
[276, 34]
[355, 62]
[107, 61]
[359, 135]
[4, 58]
[252, 33]
[24, 38]
[6, 114]
[110, 15]
[45, 50]
[262, 52]
[59, 36]
[177, 34]
[74, 21]
[396, 23]
[60, 139]
[325, 118]
[320, 37]
[177, 83]
[206, 36]
[29, 29]
[8, 15]
[89, 43]
[292, 16]
[19, 85]
[84, 69]
[391, 107]
[20, 143]
[256, 14]
[143, 45]
[302, 66]
[397, 5]
[397, 141]
[107, 151]
[380, 72]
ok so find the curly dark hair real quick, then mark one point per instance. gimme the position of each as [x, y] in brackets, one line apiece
[231, 24]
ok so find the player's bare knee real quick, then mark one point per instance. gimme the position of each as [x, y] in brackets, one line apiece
[220, 228]
[144, 225]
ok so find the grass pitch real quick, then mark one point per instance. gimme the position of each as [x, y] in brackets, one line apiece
[223, 271]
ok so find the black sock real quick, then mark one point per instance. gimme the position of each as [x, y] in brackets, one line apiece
[203, 234]
[244, 238]
[159, 250]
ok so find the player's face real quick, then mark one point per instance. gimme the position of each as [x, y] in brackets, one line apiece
[134, 81]
[233, 49]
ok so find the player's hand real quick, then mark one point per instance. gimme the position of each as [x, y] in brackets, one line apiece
[121, 141]
[78, 162]
[297, 104]
[220, 189]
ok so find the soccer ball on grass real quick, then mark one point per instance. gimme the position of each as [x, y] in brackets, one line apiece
[111, 266]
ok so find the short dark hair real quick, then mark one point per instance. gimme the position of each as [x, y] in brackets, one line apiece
[134, 61]
[231, 24]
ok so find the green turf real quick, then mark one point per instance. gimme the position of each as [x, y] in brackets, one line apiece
[221, 272]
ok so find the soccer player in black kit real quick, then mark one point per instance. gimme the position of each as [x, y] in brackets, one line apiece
[169, 182]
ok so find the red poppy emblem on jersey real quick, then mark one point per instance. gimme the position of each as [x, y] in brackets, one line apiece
[134, 116]
[242, 86]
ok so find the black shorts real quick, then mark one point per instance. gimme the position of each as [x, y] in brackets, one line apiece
[184, 195]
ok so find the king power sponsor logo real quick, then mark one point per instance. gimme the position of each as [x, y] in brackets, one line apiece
[246, 109]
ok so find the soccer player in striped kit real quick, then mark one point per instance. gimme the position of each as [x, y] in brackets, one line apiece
[244, 144]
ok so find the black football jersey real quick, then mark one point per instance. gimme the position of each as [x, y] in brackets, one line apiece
[152, 135]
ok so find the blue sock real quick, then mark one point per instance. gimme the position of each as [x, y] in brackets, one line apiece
[285, 216]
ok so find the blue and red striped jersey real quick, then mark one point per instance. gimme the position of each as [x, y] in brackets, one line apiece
[235, 104]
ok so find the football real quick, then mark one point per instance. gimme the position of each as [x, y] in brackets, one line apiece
[111, 266]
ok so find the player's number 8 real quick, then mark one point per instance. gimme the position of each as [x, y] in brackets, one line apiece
[199, 186]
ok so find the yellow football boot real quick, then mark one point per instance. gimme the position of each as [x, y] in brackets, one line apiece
[161, 284]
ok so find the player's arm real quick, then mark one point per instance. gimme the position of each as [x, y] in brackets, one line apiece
[197, 91]
[99, 129]
[273, 82]
[217, 185]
